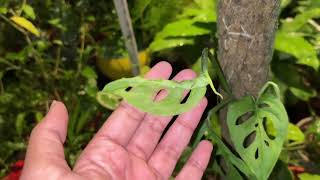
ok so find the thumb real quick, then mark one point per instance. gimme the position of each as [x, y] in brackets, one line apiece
[45, 153]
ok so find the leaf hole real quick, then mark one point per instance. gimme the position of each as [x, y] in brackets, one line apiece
[269, 128]
[160, 95]
[263, 105]
[256, 125]
[128, 89]
[256, 155]
[221, 163]
[243, 118]
[266, 142]
[249, 139]
[185, 99]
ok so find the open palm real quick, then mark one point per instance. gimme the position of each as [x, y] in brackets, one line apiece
[126, 147]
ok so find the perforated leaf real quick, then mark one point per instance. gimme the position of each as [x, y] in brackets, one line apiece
[140, 93]
[143, 92]
[247, 118]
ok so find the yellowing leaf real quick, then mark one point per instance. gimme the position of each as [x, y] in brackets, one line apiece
[26, 24]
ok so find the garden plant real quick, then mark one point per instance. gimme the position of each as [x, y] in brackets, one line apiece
[257, 63]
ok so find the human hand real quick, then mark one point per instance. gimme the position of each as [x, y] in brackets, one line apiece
[126, 147]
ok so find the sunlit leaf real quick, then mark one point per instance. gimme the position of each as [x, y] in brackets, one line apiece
[3, 10]
[28, 10]
[294, 132]
[246, 119]
[182, 28]
[20, 123]
[26, 24]
[298, 47]
[300, 20]
[161, 44]
[303, 94]
[139, 8]
[307, 176]
[140, 93]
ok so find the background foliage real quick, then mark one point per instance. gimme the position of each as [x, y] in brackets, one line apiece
[61, 62]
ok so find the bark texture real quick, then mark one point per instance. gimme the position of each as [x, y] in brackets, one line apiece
[246, 30]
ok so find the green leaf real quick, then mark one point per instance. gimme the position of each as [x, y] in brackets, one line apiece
[28, 10]
[229, 157]
[206, 4]
[139, 8]
[161, 44]
[20, 123]
[140, 92]
[89, 73]
[3, 10]
[294, 132]
[307, 176]
[300, 20]
[285, 3]
[303, 94]
[143, 91]
[298, 47]
[246, 119]
[182, 28]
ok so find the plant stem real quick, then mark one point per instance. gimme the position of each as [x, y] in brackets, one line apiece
[38, 58]
[128, 34]
[12, 66]
[57, 63]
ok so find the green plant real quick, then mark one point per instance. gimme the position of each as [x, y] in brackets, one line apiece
[250, 138]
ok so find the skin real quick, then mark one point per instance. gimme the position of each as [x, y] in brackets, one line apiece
[127, 145]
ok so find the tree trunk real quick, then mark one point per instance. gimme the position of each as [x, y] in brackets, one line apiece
[246, 30]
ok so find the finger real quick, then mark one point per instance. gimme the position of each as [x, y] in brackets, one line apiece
[45, 147]
[197, 163]
[149, 132]
[124, 121]
[116, 131]
[168, 151]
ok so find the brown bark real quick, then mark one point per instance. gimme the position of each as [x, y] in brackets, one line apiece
[246, 30]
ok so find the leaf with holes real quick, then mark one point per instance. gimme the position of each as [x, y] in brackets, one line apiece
[247, 118]
[140, 92]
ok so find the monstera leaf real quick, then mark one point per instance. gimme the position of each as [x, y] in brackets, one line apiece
[247, 119]
[140, 92]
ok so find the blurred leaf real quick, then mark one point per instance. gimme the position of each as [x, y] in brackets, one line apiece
[307, 176]
[139, 8]
[281, 172]
[3, 10]
[206, 4]
[246, 118]
[300, 20]
[28, 10]
[295, 133]
[38, 116]
[20, 123]
[298, 47]
[182, 28]
[285, 3]
[25, 24]
[57, 23]
[303, 94]
[58, 42]
[161, 44]
[89, 73]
